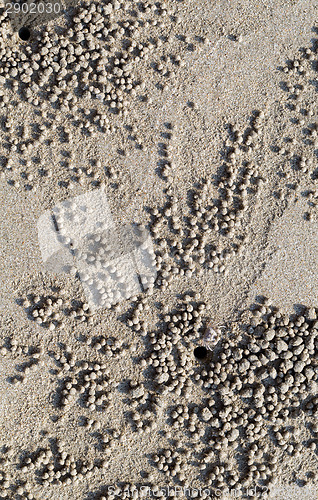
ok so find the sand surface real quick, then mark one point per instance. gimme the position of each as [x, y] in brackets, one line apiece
[208, 102]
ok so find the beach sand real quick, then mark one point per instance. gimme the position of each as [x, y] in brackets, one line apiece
[206, 136]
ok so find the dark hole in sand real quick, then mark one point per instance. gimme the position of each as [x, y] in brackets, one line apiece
[24, 33]
[200, 352]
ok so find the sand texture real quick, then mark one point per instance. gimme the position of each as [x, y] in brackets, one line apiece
[159, 251]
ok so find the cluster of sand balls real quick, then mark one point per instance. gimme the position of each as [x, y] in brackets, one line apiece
[135, 321]
[172, 463]
[10, 483]
[81, 312]
[45, 311]
[166, 162]
[256, 388]
[296, 148]
[24, 174]
[86, 382]
[169, 354]
[214, 229]
[94, 58]
[33, 363]
[59, 466]
[145, 407]
[51, 311]
[108, 346]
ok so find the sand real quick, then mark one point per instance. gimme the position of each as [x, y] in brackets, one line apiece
[230, 72]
